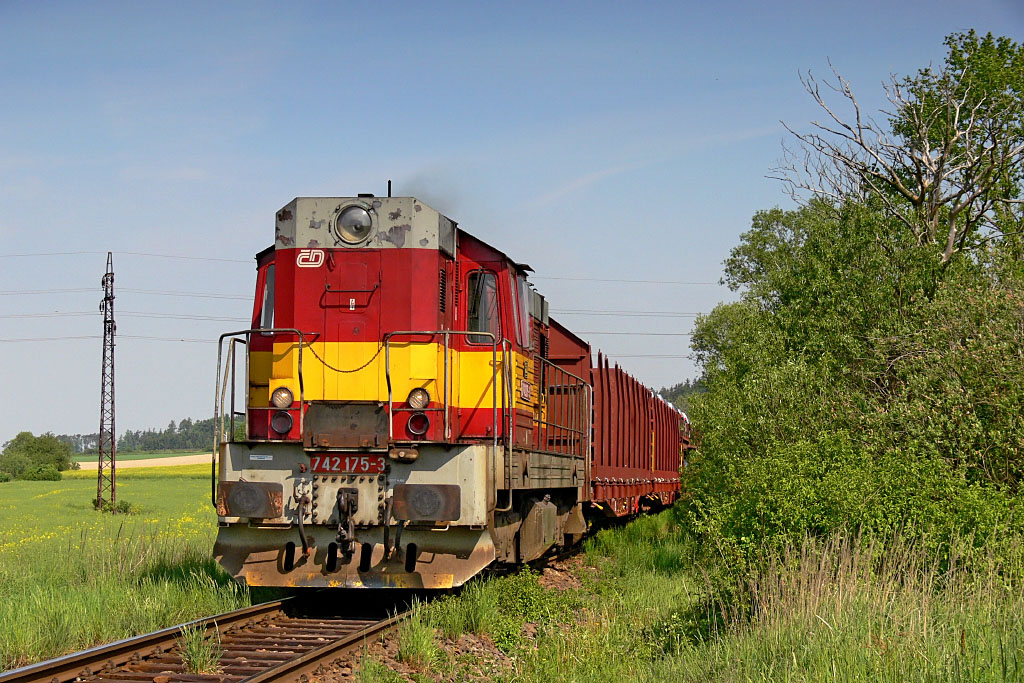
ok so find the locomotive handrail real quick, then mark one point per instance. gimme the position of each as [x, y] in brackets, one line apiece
[447, 383]
[574, 423]
[509, 406]
[447, 371]
[220, 390]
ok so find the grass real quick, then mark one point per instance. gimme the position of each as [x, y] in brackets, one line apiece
[71, 577]
[655, 606]
[200, 654]
[416, 643]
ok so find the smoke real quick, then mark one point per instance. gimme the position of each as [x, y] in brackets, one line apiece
[438, 188]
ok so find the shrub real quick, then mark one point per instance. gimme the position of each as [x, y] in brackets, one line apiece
[41, 473]
[4, 476]
[122, 507]
[26, 450]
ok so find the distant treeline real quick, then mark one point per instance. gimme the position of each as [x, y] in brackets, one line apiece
[679, 395]
[188, 434]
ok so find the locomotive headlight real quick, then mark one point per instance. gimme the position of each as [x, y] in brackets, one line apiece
[281, 422]
[354, 224]
[418, 424]
[282, 397]
[418, 399]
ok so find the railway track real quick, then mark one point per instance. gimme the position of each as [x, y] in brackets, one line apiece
[274, 641]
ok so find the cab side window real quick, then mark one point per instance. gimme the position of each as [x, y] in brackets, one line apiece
[483, 307]
[267, 313]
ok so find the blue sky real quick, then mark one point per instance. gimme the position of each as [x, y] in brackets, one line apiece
[597, 141]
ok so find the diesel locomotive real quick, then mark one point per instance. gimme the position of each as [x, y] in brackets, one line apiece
[412, 412]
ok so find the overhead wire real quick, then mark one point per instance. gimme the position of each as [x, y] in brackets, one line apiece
[628, 314]
[624, 281]
[130, 253]
[128, 314]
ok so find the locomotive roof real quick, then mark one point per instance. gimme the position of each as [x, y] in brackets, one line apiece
[395, 223]
[399, 222]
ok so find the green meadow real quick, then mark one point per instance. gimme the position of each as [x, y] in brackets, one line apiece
[71, 577]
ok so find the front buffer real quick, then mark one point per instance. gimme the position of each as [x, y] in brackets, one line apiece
[354, 519]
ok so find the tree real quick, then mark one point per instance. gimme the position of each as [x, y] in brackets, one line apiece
[28, 452]
[948, 160]
[679, 395]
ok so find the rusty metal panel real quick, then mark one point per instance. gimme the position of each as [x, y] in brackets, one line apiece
[427, 502]
[252, 499]
[346, 424]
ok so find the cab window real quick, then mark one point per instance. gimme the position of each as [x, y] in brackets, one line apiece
[483, 307]
[524, 312]
[267, 313]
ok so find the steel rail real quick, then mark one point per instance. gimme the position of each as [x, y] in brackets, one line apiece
[69, 667]
[310, 661]
[305, 655]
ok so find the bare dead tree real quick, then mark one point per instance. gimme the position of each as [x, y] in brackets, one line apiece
[942, 163]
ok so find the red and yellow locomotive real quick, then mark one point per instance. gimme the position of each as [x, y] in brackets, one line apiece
[413, 414]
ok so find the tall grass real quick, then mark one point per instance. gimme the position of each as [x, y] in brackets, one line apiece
[71, 577]
[868, 610]
[842, 608]
[200, 653]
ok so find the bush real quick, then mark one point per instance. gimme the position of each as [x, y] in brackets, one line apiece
[41, 473]
[26, 451]
[122, 507]
[4, 476]
[856, 386]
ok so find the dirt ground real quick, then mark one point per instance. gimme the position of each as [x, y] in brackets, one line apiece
[200, 459]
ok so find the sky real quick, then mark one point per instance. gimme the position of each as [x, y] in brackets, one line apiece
[619, 149]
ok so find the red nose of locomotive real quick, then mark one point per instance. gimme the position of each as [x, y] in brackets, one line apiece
[345, 278]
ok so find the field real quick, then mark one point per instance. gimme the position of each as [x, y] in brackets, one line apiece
[71, 577]
[141, 455]
[641, 602]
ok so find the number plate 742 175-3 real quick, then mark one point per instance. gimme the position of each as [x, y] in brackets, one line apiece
[347, 464]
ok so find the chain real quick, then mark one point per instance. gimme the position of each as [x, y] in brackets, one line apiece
[331, 367]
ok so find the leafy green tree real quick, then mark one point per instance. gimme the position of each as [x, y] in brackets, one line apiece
[842, 394]
[871, 376]
[28, 451]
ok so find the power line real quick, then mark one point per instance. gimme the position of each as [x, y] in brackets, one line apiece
[45, 339]
[129, 253]
[156, 292]
[601, 279]
[644, 334]
[644, 355]
[171, 339]
[627, 314]
[190, 258]
[198, 295]
[97, 336]
[12, 292]
[126, 314]
[52, 253]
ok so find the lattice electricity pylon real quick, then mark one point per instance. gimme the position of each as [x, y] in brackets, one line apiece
[106, 476]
